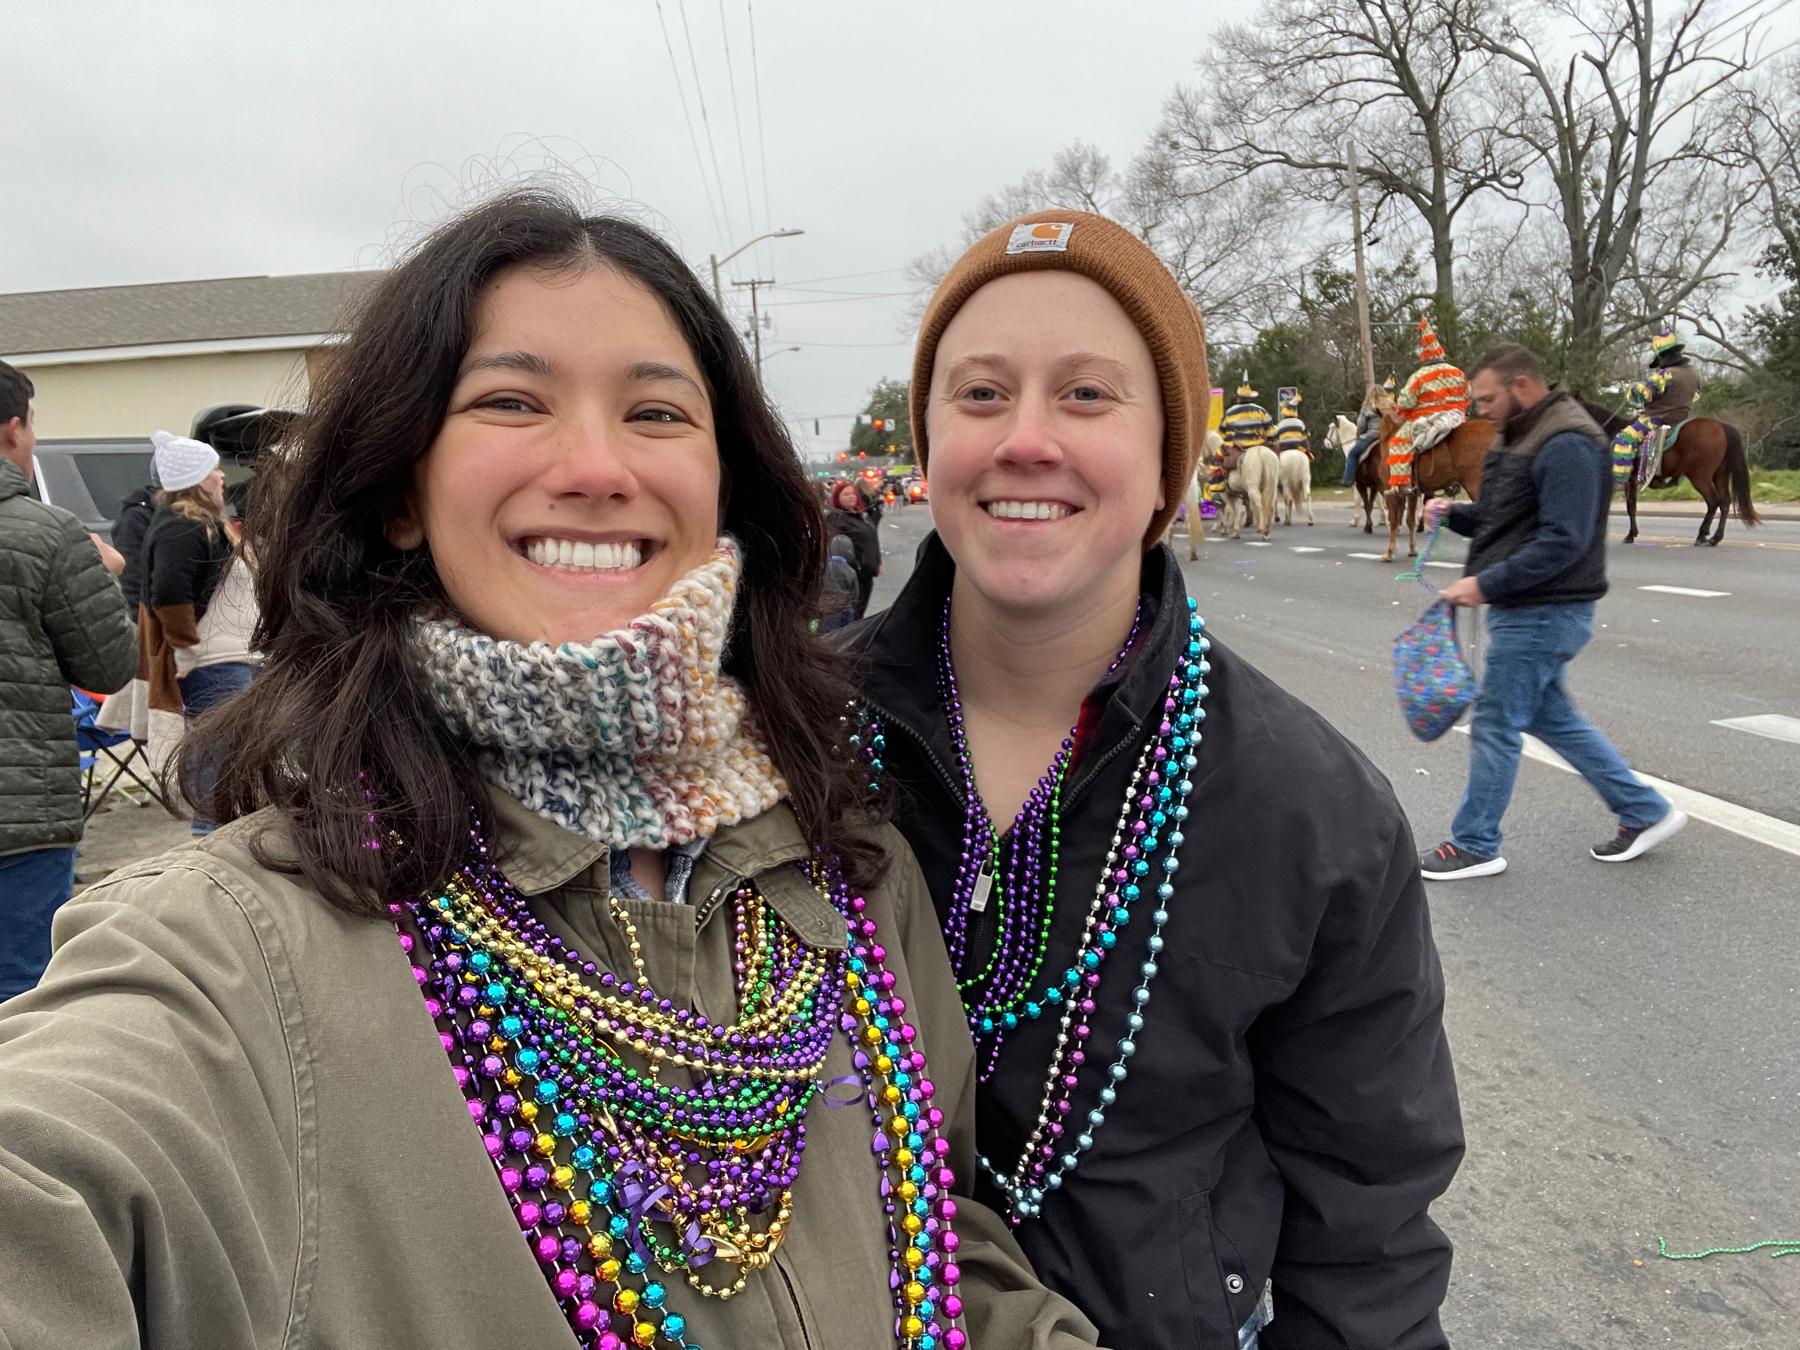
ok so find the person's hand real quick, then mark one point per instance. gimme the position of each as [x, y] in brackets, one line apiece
[110, 556]
[1463, 591]
[1435, 509]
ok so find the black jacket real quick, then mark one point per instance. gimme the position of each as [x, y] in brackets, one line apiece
[1291, 1110]
[128, 537]
[184, 561]
[1537, 536]
[859, 529]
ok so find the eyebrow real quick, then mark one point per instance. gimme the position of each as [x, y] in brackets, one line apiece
[649, 371]
[1073, 361]
[527, 363]
[530, 363]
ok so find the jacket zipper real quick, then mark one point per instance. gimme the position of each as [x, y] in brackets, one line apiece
[793, 1295]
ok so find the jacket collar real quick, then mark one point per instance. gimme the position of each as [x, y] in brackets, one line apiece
[900, 649]
[12, 482]
[540, 856]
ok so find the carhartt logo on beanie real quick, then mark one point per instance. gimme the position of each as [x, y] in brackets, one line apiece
[1105, 252]
[180, 461]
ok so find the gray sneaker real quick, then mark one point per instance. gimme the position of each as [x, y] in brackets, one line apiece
[1447, 862]
[1628, 844]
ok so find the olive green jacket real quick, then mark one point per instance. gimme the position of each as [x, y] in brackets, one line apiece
[226, 1120]
[62, 623]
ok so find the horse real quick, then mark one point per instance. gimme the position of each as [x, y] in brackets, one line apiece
[1453, 462]
[1250, 488]
[1294, 483]
[1710, 454]
[1341, 436]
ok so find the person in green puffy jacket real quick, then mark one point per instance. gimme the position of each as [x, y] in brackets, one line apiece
[62, 623]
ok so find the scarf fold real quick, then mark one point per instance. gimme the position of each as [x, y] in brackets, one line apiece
[636, 739]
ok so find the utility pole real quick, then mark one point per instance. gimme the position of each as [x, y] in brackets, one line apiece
[1362, 277]
[756, 320]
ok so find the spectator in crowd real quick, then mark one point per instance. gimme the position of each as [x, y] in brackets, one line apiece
[199, 609]
[851, 516]
[62, 623]
[128, 532]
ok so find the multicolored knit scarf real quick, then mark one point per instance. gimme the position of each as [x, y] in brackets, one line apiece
[637, 739]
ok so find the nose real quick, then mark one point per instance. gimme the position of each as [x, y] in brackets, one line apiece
[1030, 439]
[591, 462]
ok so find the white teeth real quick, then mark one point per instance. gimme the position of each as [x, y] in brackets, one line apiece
[1011, 510]
[578, 555]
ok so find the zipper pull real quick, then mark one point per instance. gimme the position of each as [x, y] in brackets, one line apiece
[984, 887]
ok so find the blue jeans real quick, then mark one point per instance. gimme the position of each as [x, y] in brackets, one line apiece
[1356, 451]
[32, 887]
[202, 690]
[1522, 689]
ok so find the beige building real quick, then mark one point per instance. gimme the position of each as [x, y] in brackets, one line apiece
[115, 361]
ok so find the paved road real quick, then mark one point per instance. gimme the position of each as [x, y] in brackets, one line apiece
[1625, 1036]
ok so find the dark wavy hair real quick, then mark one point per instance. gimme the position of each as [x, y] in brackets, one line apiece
[338, 729]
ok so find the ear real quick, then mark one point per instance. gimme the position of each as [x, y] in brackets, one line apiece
[403, 529]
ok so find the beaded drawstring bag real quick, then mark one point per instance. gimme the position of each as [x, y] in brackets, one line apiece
[1431, 675]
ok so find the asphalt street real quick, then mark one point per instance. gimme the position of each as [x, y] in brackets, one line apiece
[1625, 1036]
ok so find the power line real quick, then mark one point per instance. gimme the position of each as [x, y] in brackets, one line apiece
[706, 120]
[687, 116]
[900, 342]
[840, 299]
[762, 140]
[841, 276]
[737, 118]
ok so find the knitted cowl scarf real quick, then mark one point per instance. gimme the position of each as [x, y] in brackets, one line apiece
[637, 739]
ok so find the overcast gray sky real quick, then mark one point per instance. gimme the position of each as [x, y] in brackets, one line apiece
[197, 139]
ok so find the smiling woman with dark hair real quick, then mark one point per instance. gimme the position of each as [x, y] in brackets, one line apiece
[550, 924]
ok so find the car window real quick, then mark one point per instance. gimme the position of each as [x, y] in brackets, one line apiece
[111, 478]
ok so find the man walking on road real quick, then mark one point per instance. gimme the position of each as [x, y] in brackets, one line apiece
[1537, 559]
[62, 623]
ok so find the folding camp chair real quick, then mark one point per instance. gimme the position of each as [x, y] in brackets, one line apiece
[127, 757]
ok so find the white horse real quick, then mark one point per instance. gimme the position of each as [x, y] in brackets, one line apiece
[1250, 492]
[1295, 483]
[1341, 436]
[1192, 497]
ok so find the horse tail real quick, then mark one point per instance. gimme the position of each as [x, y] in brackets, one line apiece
[1738, 465]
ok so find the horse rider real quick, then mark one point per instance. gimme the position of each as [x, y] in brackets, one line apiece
[1290, 431]
[1368, 427]
[1246, 423]
[1662, 400]
[1434, 403]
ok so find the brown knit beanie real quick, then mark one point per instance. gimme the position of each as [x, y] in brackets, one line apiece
[1105, 252]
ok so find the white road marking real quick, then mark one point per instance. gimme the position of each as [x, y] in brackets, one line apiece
[1372, 557]
[1739, 820]
[1305, 548]
[1773, 725]
[1686, 590]
[1257, 543]
[1457, 566]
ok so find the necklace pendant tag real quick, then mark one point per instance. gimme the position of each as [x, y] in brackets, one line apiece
[984, 887]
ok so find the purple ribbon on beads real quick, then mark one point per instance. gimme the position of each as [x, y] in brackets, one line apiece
[644, 1205]
[843, 1080]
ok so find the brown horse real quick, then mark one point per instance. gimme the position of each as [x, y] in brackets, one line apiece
[1453, 462]
[1710, 455]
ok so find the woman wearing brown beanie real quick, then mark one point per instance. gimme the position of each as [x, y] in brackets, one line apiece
[1185, 914]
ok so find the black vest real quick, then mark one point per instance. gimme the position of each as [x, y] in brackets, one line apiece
[1507, 513]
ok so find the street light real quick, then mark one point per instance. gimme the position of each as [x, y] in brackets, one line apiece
[718, 262]
[770, 356]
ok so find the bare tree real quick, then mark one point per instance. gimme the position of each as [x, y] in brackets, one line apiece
[1623, 131]
[1766, 127]
[1281, 93]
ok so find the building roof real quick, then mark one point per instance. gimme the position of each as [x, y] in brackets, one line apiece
[223, 309]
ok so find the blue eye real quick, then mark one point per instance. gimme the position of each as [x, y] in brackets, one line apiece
[1088, 394]
[982, 393]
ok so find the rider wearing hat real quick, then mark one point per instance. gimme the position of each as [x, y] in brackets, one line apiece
[1434, 403]
[1663, 398]
[1290, 431]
